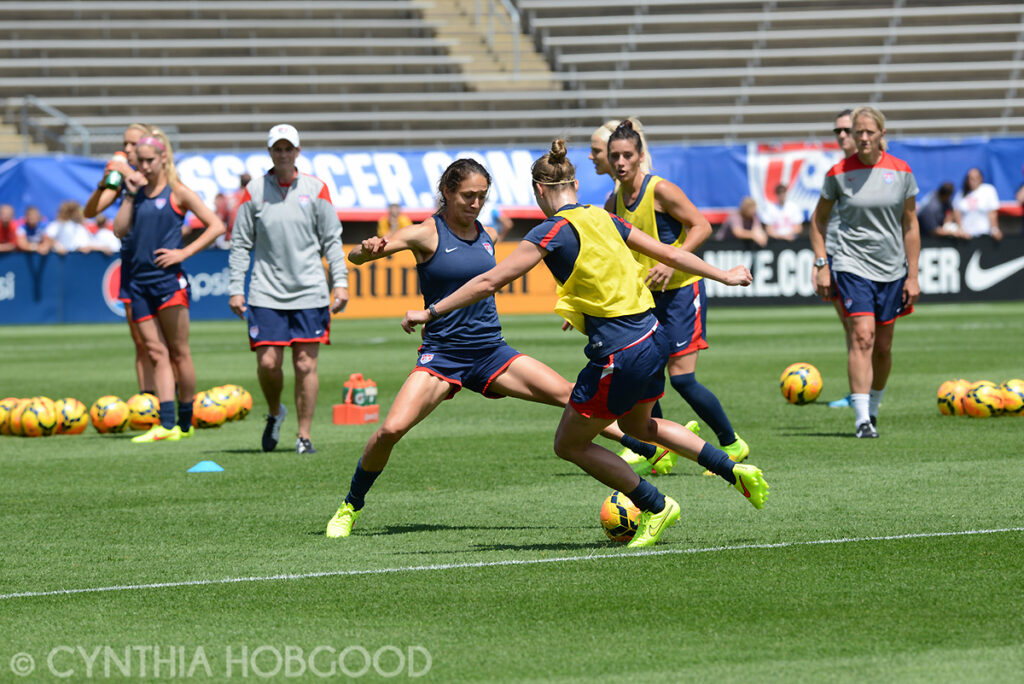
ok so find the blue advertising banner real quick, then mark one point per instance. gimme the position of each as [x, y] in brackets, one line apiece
[80, 288]
[362, 183]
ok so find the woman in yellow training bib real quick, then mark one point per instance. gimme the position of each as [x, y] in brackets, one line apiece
[585, 248]
[663, 211]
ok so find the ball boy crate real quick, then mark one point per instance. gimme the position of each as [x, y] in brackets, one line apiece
[360, 404]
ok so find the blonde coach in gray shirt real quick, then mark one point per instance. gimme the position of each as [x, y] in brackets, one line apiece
[873, 269]
[286, 223]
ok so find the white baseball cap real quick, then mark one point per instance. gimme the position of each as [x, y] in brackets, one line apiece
[283, 132]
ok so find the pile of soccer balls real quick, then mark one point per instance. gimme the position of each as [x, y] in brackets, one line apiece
[218, 405]
[800, 383]
[42, 416]
[981, 399]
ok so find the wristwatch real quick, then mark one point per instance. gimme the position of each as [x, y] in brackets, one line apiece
[820, 262]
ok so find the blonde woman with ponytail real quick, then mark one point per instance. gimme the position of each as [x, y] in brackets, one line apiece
[585, 248]
[152, 213]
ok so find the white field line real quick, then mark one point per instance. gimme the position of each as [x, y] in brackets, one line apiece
[496, 564]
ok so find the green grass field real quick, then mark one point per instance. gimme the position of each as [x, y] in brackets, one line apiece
[479, 556]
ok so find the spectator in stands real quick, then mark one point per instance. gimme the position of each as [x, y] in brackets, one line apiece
[8, 229]
[392, 221]
[102, 198]
[104, 240]
[285, 227]
[976, 207]
[222, 208]
[782, 220]
[31, 233]
[743, 224]
[936, 218]
[68, 232]
[1020, 201]
[874, 268]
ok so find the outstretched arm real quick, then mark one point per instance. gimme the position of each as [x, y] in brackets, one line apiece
[420, 239]
[685, 261]
[525, 257]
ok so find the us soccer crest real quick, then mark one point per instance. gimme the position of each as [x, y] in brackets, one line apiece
[801, 167]
[489, 248]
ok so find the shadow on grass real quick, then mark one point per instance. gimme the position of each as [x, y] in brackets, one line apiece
[603, 546]
[427, 527]
[844, 433]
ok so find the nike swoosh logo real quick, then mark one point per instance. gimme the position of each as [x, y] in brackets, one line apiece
[977, 278]
[680, 344]
[746, 492]
[450, 249]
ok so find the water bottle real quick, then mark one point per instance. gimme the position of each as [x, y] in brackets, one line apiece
[114, 177]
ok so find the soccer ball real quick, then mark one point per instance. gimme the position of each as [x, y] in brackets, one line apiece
[110, 414]
[1013, 397]
[73, 416]
[618, 517]
[208, 411]
[232, 398]
[951, 398]
[244, 404]
[38, 418]
[800, 383]
[7, 407]
[14, 422]
[144, 411]
[983, 400]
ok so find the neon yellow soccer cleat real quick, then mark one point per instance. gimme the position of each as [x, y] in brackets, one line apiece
[750, 483]
[158, 433]
[663, 462]
[187, 434]
[630, 456]
[649, 526]
[738, 450]
[341, 524]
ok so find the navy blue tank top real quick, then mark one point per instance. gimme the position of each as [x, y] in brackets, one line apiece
[155, 224]
[455, 262]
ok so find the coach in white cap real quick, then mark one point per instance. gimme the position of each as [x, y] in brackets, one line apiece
[286, 223]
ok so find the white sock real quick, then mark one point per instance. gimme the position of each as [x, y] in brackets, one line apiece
[874, 400]
[860, 406]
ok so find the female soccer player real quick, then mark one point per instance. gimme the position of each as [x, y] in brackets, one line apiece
[662, 210]
[464, 350]
[101, 198]
[152, 211]
[874, 266]
[585, 248]
[285, 223]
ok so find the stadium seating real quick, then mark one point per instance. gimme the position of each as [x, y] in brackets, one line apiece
[399, 73]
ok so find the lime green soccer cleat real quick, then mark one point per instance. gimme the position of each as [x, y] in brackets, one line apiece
[649, 526]
[750, 483]
[631, 457]
[158, 433]
[341, 523]
[738, 450]
[663, 462]
[187, 434]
